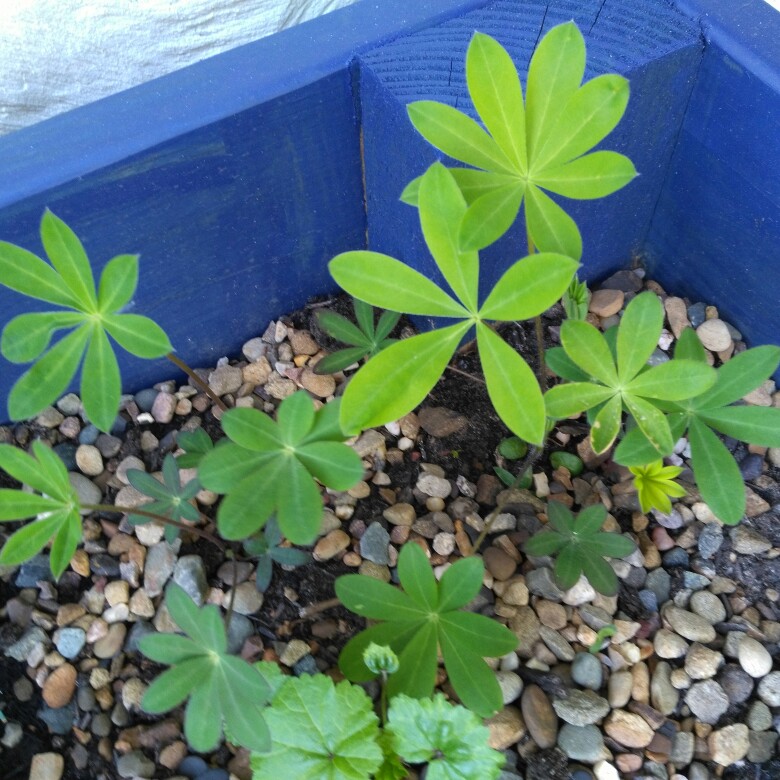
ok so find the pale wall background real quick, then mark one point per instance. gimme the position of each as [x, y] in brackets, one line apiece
[56, 55]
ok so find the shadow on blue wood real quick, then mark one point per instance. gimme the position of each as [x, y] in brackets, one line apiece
[236, 179]
[715, 235]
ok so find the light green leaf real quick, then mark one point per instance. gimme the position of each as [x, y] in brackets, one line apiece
[65, 542]
[30, 539]
[402, 288]
[117, 283]
[295, 417]
[342, 329]
[451, 739]
[252, 430]
[299, 505]
[550, 227]
[247, 506]
[377, 600]
[754, 424]
[173, 686]
[169, 648]
[600, 574]
[688, 347]
[717, 474]
[559, 362]
[589, 115]
[101, 385]
[565, 400]
[638, 334]
[739, 376]
[26, 273]
[399, 378]
[225, 466]
[320, 730]
[68, 257]
[592, 176]
[418, 664]
[457, 135]
[512, 386]
[586, 346]
[606, 426]
[652, 422]
[554, 75]
[331, 463]
[26, 336]
[202, 725]
[636, 450]
[139, 335]
[490, 216]
[18, 505]
[675, 380]
[460, 583]
[529, 287]
[417, 580]
[442, 207]
[26, 469]
[497, 94]
[47, 379]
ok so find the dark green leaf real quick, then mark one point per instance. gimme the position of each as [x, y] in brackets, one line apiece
[417, 580]
[376, 600]
[599, 573]
[341, 328]
[545, 543]
[460, 583]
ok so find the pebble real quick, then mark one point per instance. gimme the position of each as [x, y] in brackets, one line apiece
[69, 641]
[60, 719]
[501, 565]
[710, 540]
[581, 708]
[746, 541]
[701, 663]
[135, 764]
[628, 729]
[246, 599]
[330, 545]
[319, 385]
[539, 716]
[400, 514]
[505, 728]
[667, 644]
[605, 302]
[111, 643]
[511, 685]
[769, 689]
[736, 682]
[582, 743]
[441, 422]
[758, 718]
[714, 335]
[59, 686]
[707, 701]
[87, 491]
[432, 485]
[619, 688]
[677, 315]
[754, 658]
[164, 407]
[663, 695]
[690, 625]
[189, 573]
[729, 744]
[374, 544]
[708, 606]
[89, 460]
[160, 563]
[47, 766]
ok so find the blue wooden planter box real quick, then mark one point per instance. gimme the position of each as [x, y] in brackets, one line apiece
[238, 178]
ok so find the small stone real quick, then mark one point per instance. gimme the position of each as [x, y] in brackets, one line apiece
[400, 514]
[729, 744]
[117, 592]
[539, 716]
[628, 729]
[47, 766]
[736, 682]
[69, 641]
[225, 379]
[541, 582]
[619, 688]
[319, 385]
[586, 670]
[581, 708]
[582, 743]
[746, 541]
[624, 280]
[135, 764]
[759, 717]
[374, 544]
[440, 422]
[111, 643]
[580, 593]
[160, 563]
[511, 685]
[701, 663]
[443, 543]
[690, 625]
[714, 335]
[707, 701]
[132, 692]
[501, 565]
[246, 599]
[87, 491]
[605, 303]
[663, 695]
[754, 658]
[331, 545]
[164, 407]
[59, 686]
[89, 460]
[189, 573]
[432, 485]
[707, 605]
[769, 689]
[677, 315]
[556, 643]
[762, 746]
[667, 644]
[505, 728]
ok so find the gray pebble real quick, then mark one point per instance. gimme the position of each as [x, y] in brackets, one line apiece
[660, 583]
[144, 399]
[33, 571]
[769, 689]
[657, 357]
[541, 582]
[710, 540]
[69, 404]
[67, 454]
[707, 701]
[190, 574]
[751, 466]
[69, 641]
[581, 708]
[762, 746]
[85, 698]
[697, 314]
[581, 743]
[239, 630]
[707, 605]
[758, 718]
[738, 684]
[160, 563]
[60, 720]
[87, 491]
[142, 628]
[135, 764]
[746, 541]
[374, 544]
[89, 434]
[586, 670]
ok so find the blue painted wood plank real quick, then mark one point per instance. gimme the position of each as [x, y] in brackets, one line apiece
[716, 231]
[236, 179]
[651, 43]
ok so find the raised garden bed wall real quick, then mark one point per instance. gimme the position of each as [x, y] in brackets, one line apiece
[237, 178]
[715, 233]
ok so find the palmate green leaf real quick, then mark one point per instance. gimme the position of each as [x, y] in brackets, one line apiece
[689, 347]
[419, 583]
[717, 474]
[589, 115]
[755, 424]
[497, 95]
[49, 377]
[545, 543]
[450, 739]
[252, 430]
[568, 566]
[69, 282]
[395, 635]
[225, 466]
[554, 75]
[339, 360]
[611, 545]
[42, 471]
[117, 283]
[560, 519]
[512, 386]
[636, 450]
[595, 175]
[490, 216]
[442, 207]
[558, 361]
[600, 574]
[652, 422]
[30, 539]
[17, 505]
[221, 688]
[589, 349]
[606, 424]
[460, 583]
[195, 445]
[65, 542]
[675, 380]
[549, 226]
[377, 600]
[26, 336]
[529, 287]
[638, 334]
[418, 663]
[399, 378]
[364, 314]
[294, 419]
[69, 259]
[331, 463]
[298, 501]
[339, 327]
[402, 288]
[457, 135]
[320, 730]
[565, 400]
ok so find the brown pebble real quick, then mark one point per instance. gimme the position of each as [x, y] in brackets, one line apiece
[539, 716]
[498, 563]
[59, 686]
[605, 303]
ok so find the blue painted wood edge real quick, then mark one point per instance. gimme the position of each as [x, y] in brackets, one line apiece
[56, 150]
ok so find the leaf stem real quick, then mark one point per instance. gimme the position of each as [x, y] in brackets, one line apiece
[160, 518]
[179, 363]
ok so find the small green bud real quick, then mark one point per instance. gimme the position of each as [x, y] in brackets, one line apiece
[380, 658]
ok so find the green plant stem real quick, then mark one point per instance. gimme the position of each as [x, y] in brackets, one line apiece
[197, 380]
[160, 518]
[383, 700]
[541, 374]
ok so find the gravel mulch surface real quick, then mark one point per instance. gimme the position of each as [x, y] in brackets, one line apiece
[688, 686]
